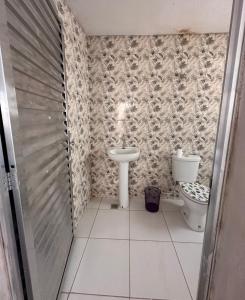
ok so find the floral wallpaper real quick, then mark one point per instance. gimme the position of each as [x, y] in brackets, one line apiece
[78, 109]
[160, 93]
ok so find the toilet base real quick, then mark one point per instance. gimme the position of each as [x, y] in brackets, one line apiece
[194, 220]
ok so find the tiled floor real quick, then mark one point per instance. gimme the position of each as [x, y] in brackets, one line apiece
[123, 253]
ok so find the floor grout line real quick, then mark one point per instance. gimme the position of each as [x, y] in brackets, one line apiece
[139, 240]
[178, 259]
[102, 295]
[132, 240]
[175, 241]
[182, 271]
[84, 250]
[114, 296]
[143, 209]
[181, 242]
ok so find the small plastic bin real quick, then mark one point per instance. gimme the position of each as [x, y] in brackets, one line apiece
[152, 198]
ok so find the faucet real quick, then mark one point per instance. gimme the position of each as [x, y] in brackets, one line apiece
[123, 141]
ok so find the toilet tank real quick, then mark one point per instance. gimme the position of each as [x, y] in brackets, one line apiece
[185, 168]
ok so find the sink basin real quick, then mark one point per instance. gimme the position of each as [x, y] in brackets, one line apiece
[124, 154]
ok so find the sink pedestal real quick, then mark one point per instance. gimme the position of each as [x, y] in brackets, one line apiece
[123, 155]
[123, 184]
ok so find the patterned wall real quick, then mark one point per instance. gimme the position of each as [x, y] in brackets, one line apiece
[76, 63]
[161, 92]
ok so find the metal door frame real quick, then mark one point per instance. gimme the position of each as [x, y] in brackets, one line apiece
[7, 224]
[236, 38]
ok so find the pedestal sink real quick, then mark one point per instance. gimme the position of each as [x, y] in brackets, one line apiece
[123, 156]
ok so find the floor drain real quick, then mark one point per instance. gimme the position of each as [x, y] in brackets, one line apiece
[114, 206]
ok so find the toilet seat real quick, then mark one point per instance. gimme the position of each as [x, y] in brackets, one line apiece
[196, 192]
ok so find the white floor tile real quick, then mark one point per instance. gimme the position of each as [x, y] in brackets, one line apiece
[155, 272]
[171, 204]
[85, 224]
[137, 203]
[74, 259]
[190, 258]
[104, 269]
[94, 203]
[148, 226]
[113, 224]
[92, 297]
[63, 296]
[138, 298]
[107, 202]
[179, 230]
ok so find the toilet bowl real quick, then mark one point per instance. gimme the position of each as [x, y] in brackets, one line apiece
[194, 195]
[194, 210]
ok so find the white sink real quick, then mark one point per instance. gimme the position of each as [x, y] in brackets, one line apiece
[123, 156]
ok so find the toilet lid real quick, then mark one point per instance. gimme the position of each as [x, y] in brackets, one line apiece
[196, 192]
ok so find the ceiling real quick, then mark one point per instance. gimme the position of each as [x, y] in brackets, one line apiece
[147, 17]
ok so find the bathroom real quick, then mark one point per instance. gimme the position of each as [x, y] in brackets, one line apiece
[142, 88]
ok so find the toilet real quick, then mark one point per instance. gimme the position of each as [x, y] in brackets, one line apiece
[194, 195]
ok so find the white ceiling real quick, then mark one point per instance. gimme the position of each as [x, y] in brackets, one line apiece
[145, 17]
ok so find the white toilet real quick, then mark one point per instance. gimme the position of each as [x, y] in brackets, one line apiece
[194, 195]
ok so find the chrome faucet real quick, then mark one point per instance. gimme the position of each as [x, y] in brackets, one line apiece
[124, 141]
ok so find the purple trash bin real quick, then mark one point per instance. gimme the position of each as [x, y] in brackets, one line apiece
[152, 198]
